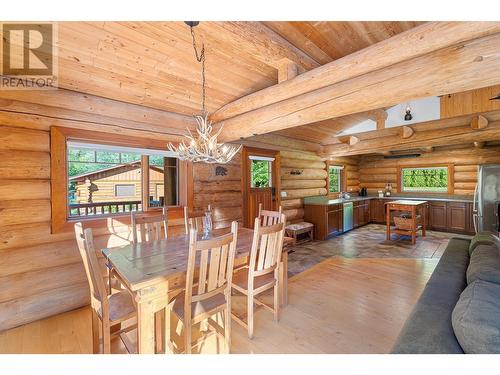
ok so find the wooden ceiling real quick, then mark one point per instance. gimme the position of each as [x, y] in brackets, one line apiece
[153, 64]
[328, 41]
[326, 132]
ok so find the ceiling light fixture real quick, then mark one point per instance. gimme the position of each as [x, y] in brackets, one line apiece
[204, 146]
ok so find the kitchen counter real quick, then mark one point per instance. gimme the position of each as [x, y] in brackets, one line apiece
[449, 213]
[325, 200]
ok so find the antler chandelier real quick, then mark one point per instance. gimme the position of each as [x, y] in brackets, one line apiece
[203, 147]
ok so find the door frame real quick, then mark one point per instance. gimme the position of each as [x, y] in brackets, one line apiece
[275, 173]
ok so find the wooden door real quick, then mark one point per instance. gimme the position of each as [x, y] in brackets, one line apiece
[438, 215]
[355, 215]
[335, 219]
[260, 182]
[457, 216]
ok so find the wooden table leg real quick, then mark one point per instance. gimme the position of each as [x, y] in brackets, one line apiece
[145, 328]
[159, 334]
[388, 221]
[149, 301]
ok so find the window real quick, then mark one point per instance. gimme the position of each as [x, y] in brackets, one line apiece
[335, 178]
[425, 179]
[105, 179]
[125, 190]
[261, 170]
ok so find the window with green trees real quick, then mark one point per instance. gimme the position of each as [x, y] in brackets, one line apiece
[334, 178]
[261, 174]
[431, 179]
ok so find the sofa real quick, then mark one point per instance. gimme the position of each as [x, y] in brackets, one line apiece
[459, 309]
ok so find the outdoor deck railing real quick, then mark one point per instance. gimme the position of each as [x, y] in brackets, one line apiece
[103, 208]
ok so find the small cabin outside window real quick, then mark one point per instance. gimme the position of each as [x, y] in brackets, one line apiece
[104, 179]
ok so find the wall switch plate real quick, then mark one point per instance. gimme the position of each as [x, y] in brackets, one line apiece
[283, 194]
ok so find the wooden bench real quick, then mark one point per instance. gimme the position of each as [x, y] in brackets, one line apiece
[294, 230]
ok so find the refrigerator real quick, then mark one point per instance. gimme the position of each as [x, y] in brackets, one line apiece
[487, 199]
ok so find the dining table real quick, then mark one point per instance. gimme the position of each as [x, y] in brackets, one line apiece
[155, 271]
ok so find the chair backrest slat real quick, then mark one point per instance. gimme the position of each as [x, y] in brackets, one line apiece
[151, 226]
[266, 246]
[269, 217]
[195, 221]
[215, 262]
[85, 241]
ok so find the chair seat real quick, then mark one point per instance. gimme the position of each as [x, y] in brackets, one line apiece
[299, 226]
[121, 307]
[240, 279]
[197, 308]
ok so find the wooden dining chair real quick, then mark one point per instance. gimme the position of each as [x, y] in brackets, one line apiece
[262, 272]
[197, 221]
[152, 226]
[108, 310]
[269, 217]
[208, 292]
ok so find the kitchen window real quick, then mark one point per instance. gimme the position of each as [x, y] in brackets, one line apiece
[426, 179]
[335, 178]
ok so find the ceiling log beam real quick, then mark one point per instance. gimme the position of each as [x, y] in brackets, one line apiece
[408, 45]
[406, 132]
[451, 131]
[464, 67]
[479, 122]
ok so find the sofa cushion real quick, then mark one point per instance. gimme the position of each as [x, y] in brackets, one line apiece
[484, 264]
[476, 318]
[482, 238]
[428, 329]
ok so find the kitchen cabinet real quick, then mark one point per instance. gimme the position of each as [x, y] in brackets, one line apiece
[328, 220]
[335, 220]
[438, 215]
[377, 211]
[446, 216]
[457, 216]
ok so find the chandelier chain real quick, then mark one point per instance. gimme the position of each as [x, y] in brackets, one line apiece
[200, 57]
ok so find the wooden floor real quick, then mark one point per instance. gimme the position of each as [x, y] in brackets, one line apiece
[368, 241]
[341, 305]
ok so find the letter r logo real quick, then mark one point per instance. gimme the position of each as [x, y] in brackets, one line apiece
[27, 49]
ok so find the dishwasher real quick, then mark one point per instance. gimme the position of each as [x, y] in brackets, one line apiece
[348, 216]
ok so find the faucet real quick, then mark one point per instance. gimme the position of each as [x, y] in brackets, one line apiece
[344, 195]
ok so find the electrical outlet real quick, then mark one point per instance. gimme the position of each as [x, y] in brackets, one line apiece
[283, 194]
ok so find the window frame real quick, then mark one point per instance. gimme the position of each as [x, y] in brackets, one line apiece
[121, 185]
[62, 222]
[343, 178]
[451, 183]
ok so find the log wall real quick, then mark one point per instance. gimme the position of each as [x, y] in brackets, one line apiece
[375, 171]
[222, 191]
[41, 274]
[311, 180]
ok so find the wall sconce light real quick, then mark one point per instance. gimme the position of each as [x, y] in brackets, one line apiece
[408, 115]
